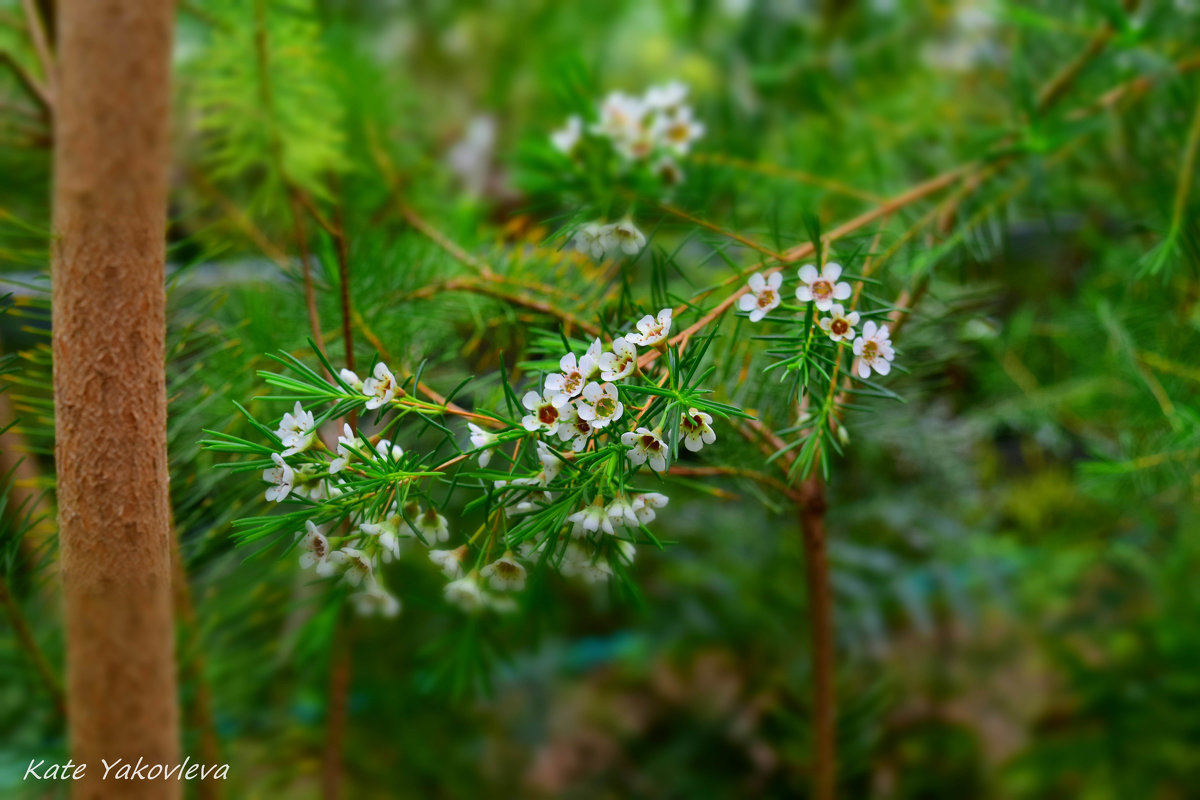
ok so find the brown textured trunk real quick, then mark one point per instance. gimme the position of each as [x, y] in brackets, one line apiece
[110, 192]
[811, 511]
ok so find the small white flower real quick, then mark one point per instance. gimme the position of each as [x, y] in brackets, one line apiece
[577, 563]
[546, 413]
[763, 295]
[566, 139]
[562, 386]
[821, 287]
[651, 330]
[551, 464]
[626, 236]
[450, 562]
[390, 531]
[678, 130]
[315, 550]
[375, 600]
[621, 512]
[380, 387]
[589, 363]
[598, 405]
[282, 477]
[574, 429]
[358, 566]
[297, 430]
[593, 239]
[644, 506]
[433, 526]
[839, 325]
[481, 438]
[351, 379]
[667, 97]
[622, 118]
[626, 550]
[646, 446]
[874, 350]
[505, 574]
[696, 427]
[466, 594]
[346, 441]
[620, 362]
[591, 519]
[386, 449]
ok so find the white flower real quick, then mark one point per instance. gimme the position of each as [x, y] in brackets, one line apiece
[593, 239]
[839, 325]
[874, 350]
[386, 449]
[449, 561]
[297, 430]
[283, 478]
[599, 405]
[567, 138]
[465, 593]
[667, 97]
[546, 413]
[646, 446]
[620, 362]
[390, 530]
[572, 428]
[432, 526]
[359, 569]
[564, 385]
[315, 549]
[626, 236]
[591, 519]
[622, 118]
[678, 130]
[481, 438]
[821, 287]
[651, 330]
[644, 506]
[375, 600]
[763, 295]
[621, 511]
[346, 441]
[380, 387]
[696, 427]
[351, 379]
[589, 363]
[505, 574]
[551, 464]
[577, 563]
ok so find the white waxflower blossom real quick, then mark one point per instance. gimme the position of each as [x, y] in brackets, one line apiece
[572, 428]
[505, 574]
[645, 505]
[315, 550]
[667, 97]
[821, 288]
[481, 438]
[621, 512]
[358, 566]
[432, 525]
[390, 531]
[839, 325]
[874, 350]
[677, 130]
[646, 446]
[763, 295]
[696, 427]
[622, 118]
[577, 563]
[282, 477]
[351, 379]
[546, 413]
[627, 237]
[620, 362]
[551, 464]
[626, 550]
[591, 519]
[593, 239]
[380, 387]
[386, 448]
[466, 593]
[598, 405]
[651, 330]
[566, 139]
[375, 601]
[450, 562]
[297, 430]
[562, 386]
[589, 362]
[346, 441]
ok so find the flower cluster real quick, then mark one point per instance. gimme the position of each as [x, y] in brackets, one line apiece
[653, 129]
[872, 349]
[600, 241]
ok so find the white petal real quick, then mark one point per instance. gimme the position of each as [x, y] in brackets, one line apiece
[757, 284]
[832, 271]
[808, 273]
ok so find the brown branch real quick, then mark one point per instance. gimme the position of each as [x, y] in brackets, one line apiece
[41, 45]
[810, 511]
[35, 89]
[335, 724]
[486, 286]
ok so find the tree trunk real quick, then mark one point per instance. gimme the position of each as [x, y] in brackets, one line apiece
[811, 511]
[110, 193]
